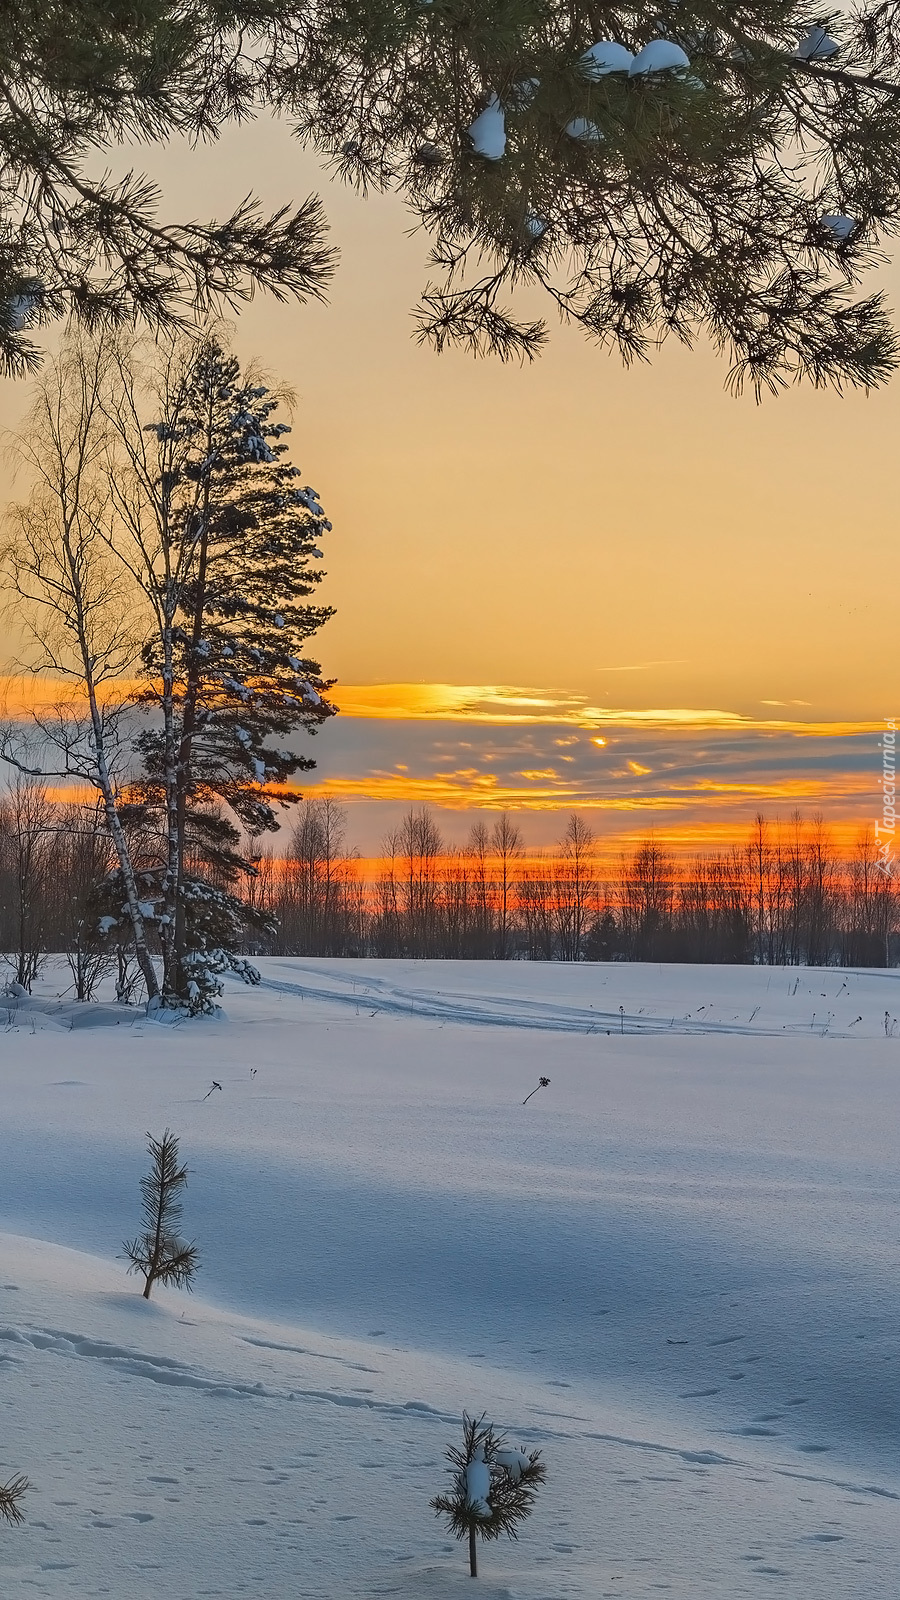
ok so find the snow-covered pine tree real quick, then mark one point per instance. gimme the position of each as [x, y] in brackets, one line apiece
[494, 1486]
[233, 563]
[217, 919]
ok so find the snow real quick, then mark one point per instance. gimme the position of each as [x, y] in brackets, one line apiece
[515, 1462]
[488, 132]
[816, 45]
[674, 1272]
[581, 128]
[19, 309]
[839, 225]
[660, 55]
[478, 1484]
[606, 57]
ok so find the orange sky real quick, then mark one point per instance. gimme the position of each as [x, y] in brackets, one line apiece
[602, 540]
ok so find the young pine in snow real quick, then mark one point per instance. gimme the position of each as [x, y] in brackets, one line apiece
[158, 1252]
[494, 1486]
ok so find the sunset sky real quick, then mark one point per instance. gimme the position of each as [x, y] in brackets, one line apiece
[570, 586]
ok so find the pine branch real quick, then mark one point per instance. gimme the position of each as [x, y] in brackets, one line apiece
[11, 1494]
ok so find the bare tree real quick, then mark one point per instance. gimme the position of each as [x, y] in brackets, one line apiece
[575, 888]
[507, 847]
[81, 860]
[645, 898]
[75, 603]
[421, 848]
[25, 818]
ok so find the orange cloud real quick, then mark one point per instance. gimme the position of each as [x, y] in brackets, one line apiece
[461, 791]
[23, 694]
[503, 704]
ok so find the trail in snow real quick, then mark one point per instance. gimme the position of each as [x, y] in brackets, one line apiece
[389, 998]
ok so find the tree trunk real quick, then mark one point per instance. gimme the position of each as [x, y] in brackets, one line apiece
[116, 832]
[177, 980]
[473, 1552]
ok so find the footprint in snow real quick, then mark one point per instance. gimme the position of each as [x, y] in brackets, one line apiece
[731, 1338]
[697, 1394]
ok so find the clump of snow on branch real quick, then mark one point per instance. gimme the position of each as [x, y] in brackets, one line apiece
[488, 132]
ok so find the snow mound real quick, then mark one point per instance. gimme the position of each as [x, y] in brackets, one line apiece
[605, 57]
[660, 55]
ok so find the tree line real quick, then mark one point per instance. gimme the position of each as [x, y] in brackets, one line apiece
[783, 897]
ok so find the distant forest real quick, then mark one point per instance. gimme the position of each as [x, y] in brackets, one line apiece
[784, 897]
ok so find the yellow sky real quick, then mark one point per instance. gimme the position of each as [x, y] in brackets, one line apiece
[633, 539]
[638, 537]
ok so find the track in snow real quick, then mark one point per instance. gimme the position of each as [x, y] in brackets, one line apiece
[378, 994]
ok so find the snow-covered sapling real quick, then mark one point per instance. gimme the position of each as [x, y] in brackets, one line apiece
[494, 1486]
[542, 1083]
[158, 1252]
[10, 1495]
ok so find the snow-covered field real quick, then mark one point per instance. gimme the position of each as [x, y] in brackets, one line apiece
[676, 1271]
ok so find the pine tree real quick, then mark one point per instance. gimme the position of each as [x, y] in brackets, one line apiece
[494, 1487]
[224, 537]
[733, 179]
[11, 1494]
[158, 1252]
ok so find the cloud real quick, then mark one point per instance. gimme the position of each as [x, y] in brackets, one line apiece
[693, 776]
[696, 777]
[499, 705]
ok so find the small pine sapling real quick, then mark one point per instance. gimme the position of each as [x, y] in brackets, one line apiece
[494, 1486]
[158, 1252]
[10, 1495]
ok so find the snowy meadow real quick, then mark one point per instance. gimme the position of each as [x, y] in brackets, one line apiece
[675, 1271]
